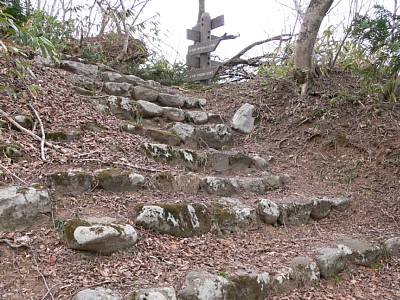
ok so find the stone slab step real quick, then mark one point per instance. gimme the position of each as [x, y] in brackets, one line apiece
[215, 160]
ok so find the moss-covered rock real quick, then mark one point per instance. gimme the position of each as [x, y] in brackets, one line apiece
[117, 180]
[181, 219]
[174, 156]
[63, 136]
[103, 238]
[23, 207]
[188, 183]
[249, 286]
[158, 135]
[23, 120]
[232, 216]
[70, 182]
[121, 107]
[11, 151]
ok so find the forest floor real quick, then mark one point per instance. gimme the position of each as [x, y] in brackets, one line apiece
[336, 142]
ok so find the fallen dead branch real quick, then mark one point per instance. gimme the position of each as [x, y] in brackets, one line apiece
[29, 132]
[43, 139]
[13, 175]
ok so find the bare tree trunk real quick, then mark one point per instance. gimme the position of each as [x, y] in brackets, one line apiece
[305, 42]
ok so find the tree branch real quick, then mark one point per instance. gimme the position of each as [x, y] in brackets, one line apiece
[43, 139]
[235, 60]
[36, 137]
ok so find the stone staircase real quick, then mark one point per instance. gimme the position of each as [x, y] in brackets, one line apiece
[200, 149]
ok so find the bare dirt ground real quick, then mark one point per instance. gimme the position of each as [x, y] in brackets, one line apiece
[331, 143]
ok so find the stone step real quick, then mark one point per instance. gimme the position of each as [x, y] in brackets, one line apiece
[345, 255]
[226, 215]
[213, 160]
[132, 110]
[221, 186]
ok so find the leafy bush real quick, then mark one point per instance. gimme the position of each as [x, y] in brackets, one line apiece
[41, 24]
[378, 37]
[161, 71]
[16, 69]
[18, 11]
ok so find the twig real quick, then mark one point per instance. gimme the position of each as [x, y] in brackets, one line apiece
[12, 245]
[41, 275]
[43, 139]
[12, 174]
[36, 137]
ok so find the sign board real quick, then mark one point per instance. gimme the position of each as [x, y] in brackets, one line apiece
[198, 57]
[194, 61]
[195, 35]
[202, 74]
[203, 47]
[217, 22]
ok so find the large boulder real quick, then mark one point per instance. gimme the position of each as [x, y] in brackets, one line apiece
[284, 281]
[220, 186]
[249, 286]
[72, 182]
[97, 293]
[116, 180]
[194, 102]
[332, 261]
[204, 286]
[104, 238]
[392, 246]
[268, 211]
[118, 89]
[233, 216]
[158, 135]
[165, 293]
[188, 183]
[149, 109]
[183, 219]
[174, 156]
[146, 94]
[174, 114]
[197, 117]
[80, 68]
[184, 131]
[22, 207]
[244, 119]
[216, 136]
[294, 211]
[305, 271]
[363, 253]
[121, 107]
[170, 100]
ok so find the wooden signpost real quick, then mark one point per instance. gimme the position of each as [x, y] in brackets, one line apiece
[198, 57]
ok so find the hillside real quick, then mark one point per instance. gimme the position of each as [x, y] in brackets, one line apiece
[331, 143]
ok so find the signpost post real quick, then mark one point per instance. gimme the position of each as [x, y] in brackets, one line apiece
[198, 57]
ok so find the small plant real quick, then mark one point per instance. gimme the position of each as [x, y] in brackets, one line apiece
[375, 266]
[225, 275]
[59, 226]
[337, 279]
